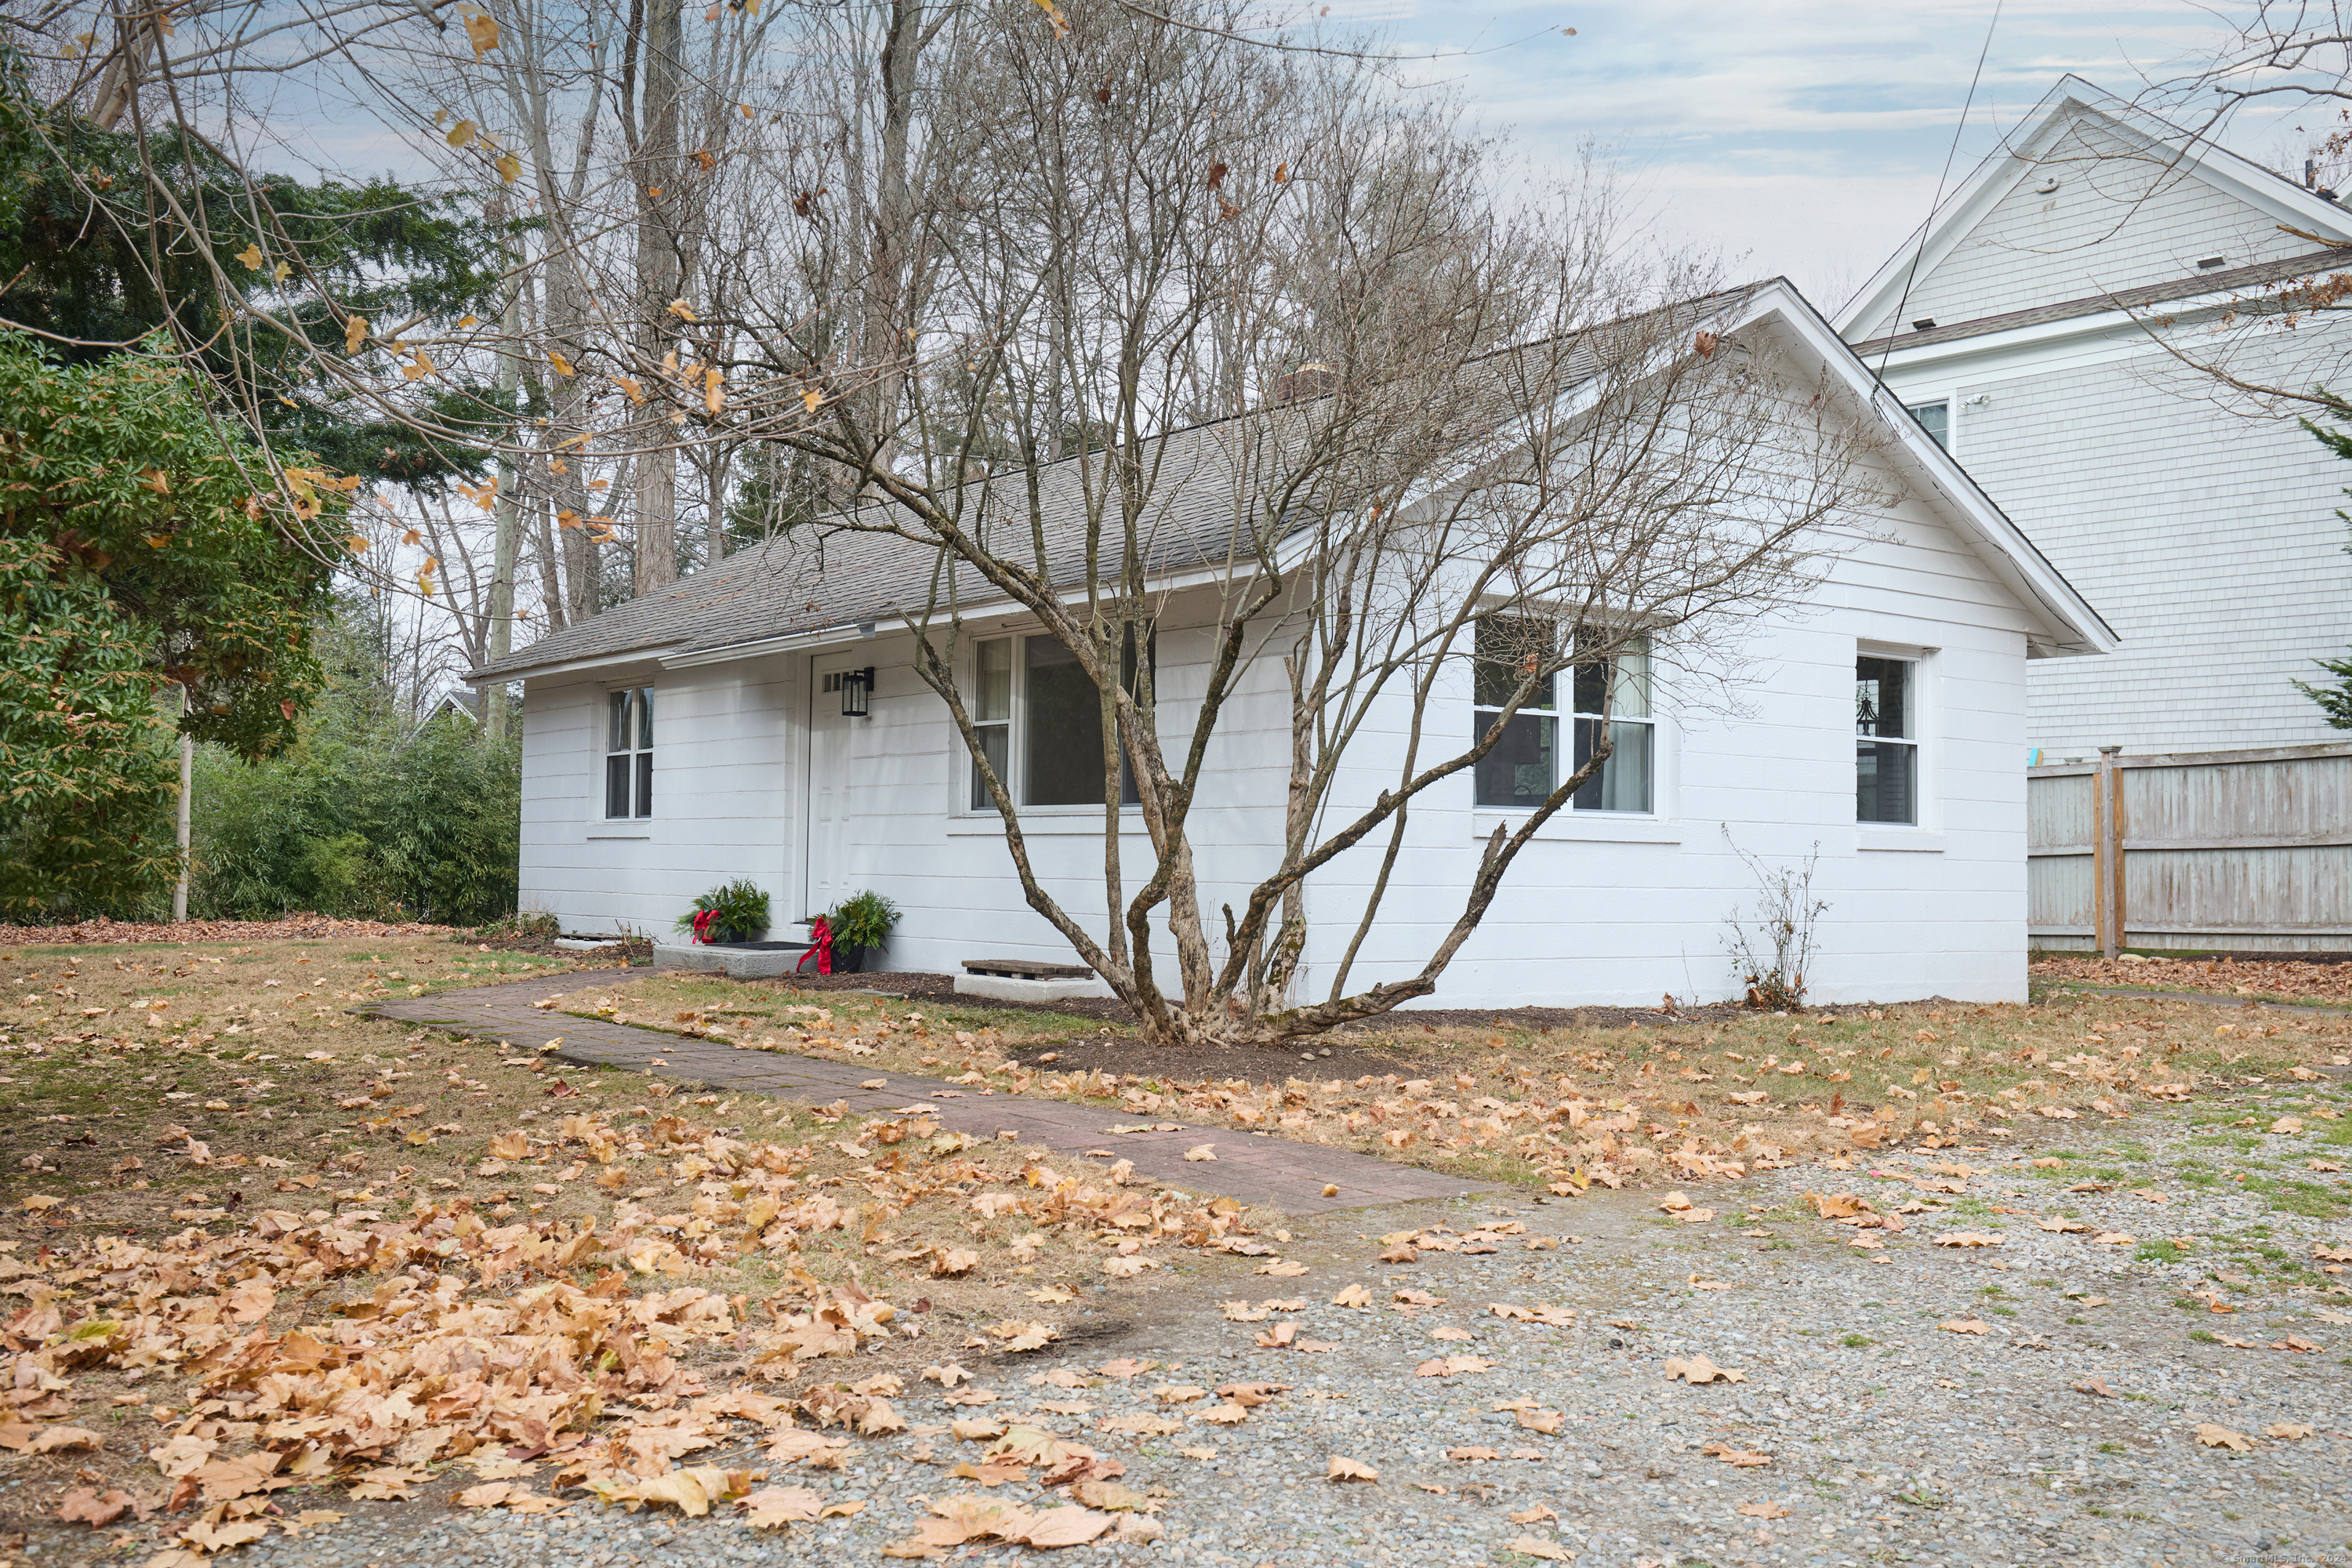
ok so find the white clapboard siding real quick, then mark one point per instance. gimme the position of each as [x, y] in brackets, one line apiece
[1603, 910]
[2124, 215]
[2207, 539]
[721, 742]
[2203, 527]
[1755, 753]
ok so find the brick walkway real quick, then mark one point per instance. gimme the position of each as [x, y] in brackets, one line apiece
[1252, 1168]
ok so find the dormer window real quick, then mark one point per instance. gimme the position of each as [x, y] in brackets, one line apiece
[1936, 418]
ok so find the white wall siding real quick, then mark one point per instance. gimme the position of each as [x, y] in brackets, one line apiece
[2208, 540]
[1604, 908]
[722, 743]
[2120, 218]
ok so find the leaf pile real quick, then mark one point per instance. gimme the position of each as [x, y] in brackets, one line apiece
[361, 1348]
[1674, 1104]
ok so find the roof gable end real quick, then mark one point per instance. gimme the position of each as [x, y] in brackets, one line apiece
[2092, 197]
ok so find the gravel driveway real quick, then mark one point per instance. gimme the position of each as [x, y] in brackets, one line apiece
[1890, 1438]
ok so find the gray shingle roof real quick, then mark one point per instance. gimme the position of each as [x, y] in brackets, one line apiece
[822, 577]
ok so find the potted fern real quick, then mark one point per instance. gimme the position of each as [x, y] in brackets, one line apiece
[732, 912]
[860, 927]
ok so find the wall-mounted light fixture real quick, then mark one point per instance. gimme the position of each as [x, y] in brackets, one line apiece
[856, 686]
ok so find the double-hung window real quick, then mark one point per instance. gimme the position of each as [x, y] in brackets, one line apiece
[1040, 724]
[629, 753]
[1887, 740]
[1936, 418]
[1600, 690]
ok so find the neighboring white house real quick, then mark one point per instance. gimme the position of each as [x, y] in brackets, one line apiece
[2032, 324]
[698, 734]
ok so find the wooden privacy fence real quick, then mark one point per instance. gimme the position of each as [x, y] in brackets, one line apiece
[2194, 850]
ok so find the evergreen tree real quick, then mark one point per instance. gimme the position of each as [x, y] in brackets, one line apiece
[2335, 700]
[143, 548]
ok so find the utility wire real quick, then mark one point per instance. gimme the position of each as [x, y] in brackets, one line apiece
[1920, 250]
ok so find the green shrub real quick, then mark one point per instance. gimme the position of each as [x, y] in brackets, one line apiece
[365, 815]
[865, 921]
[738, 911]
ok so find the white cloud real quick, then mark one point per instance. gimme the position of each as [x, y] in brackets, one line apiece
[1807, 137]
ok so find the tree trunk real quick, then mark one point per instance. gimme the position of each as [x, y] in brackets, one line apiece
[182, 815]
[505, 518]
[659, 204]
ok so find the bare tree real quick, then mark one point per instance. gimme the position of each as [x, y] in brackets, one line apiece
[1195, 309]
[1155, 334]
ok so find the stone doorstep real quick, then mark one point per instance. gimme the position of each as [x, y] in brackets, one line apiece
[1007, 988]
[736, 963]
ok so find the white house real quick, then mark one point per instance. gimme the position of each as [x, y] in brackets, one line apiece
[2041, 324]
[698, 734]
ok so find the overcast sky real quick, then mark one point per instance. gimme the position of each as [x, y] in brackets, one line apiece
[1801, 137]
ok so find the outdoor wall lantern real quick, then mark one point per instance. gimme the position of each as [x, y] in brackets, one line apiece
[856, 686]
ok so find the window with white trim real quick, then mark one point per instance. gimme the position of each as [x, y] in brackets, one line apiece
[1936, 418]
[629, 753]
[1611, 690]
[1887, 740]
[1039, 720]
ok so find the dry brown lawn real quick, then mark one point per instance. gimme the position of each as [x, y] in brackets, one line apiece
[263, 1255]
[1665, 1101]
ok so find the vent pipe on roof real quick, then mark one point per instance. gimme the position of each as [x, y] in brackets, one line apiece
[2310, 174]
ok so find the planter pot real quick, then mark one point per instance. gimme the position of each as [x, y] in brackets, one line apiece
[847, 960]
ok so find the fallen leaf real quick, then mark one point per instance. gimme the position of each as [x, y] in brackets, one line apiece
[1970, 1239]
[772, 1508]
[1251, 1395]
[1764, 1509]
[1966, 1326]
[1536, 1546]
[1740, 1458]
[2214, 1436]
[87, 1505]
[1698, 1369]
[53, 1439]
[2289, 1431]
[1353, 1296]
[1448, 1366]
[1350, 1470]
[1201, 1151]
[2096, 1386]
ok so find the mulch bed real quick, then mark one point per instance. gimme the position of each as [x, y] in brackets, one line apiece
[1376, 1046]
[293, 928]
[635, 950]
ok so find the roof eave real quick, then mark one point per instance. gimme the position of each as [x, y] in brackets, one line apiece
[2071, 626]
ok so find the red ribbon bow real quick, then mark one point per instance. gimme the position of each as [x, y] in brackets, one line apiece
[820, 947]
[702, 919]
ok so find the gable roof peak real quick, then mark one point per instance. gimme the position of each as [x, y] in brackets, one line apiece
[2028, 147]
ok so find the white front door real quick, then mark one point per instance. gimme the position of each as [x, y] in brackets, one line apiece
[830, 739]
